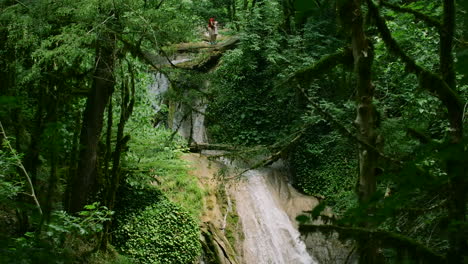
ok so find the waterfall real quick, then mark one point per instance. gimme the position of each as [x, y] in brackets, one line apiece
[270, 236]
[157, 89]
[188, 120]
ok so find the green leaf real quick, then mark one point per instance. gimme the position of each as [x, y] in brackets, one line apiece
[90, 206]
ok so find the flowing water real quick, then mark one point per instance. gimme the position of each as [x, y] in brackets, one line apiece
[270, 236]
[157, 90]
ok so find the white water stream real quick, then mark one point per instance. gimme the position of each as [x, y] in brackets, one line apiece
[270, 236]
[157, 89]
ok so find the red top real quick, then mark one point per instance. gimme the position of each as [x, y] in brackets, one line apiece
[211, 22]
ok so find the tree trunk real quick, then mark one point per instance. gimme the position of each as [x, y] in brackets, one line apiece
[462, 49]
[103, 84]
[126, 109]
[366, 119]
[231, 7]
[31, 159]
[288, 12]
[456, 168]
[229, 10]
[119, 147]
[73, 159]
[108, 152]
[366, 113]
[53, 151]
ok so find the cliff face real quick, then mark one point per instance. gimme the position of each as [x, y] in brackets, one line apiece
[221, 232]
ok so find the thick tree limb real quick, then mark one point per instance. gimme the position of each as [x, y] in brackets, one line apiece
[197, 147]
[136, 51]
[278, 151]
[199, 47]
[427, 80]
[276, 154]
[325, 64]
[427, 19]
[215, 54]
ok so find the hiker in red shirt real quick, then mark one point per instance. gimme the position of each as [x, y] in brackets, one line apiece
[213, 30]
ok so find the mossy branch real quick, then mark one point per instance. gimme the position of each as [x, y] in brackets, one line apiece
[136, 51]
[325, 64]
[427, 19]
[427, 80]
[382, 238]
[278, 154]
[278, 151]
[390, 42]
[202, 47]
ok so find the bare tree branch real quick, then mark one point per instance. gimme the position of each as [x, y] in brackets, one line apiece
[20, 165]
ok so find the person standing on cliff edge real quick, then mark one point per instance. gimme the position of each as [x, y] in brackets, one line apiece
[213, 30]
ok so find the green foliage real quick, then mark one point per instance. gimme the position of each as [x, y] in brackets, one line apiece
[160, 164]
[154, 157]
[88, 222]
[244, 111]
[325, 165]
[47, 58]
[48, 53]
[248, 98]
[60, 240]
[151, 229]
[10, 185]
[402, 102]
[413, 123]
[211, 8]
[159, 204]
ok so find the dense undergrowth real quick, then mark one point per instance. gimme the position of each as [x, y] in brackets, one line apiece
[160, 204]
[63, 146]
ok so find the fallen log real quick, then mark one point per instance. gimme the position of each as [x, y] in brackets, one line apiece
[206, 63]
[202, 46]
